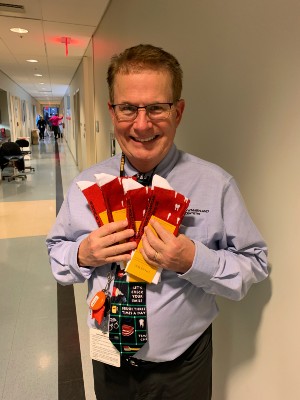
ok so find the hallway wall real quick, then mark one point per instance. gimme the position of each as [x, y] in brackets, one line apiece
[82, 138]
[241, 64]
[22, 128]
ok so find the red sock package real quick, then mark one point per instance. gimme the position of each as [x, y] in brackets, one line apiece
[115, 199]
[93, 194]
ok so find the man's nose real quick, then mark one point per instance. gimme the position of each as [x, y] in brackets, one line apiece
[142, 120]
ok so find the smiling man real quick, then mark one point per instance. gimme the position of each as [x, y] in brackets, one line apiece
[145, 134]
[218, 250]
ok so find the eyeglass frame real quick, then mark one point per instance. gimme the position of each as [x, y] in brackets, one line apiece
[142, 107]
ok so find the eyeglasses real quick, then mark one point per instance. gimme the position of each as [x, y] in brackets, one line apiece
[129, 112]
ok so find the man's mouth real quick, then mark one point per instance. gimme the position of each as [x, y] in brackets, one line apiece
[143, 140]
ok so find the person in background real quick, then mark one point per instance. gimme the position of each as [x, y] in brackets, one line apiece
[54, 121]
[41, 124]
[218, 251]
[61, 129]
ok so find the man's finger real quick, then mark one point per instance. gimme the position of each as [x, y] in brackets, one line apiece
[112, 227]
[162, 233]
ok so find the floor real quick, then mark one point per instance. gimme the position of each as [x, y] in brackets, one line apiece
[43, 356]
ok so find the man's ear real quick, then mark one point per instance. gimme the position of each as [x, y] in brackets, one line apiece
[179, 107]
[111, 111]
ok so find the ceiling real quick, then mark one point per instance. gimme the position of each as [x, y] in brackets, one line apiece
[47, 23]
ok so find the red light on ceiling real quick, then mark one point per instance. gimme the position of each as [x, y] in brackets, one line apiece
[66, 40]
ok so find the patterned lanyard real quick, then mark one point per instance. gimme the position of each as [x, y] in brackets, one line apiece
[145, 180]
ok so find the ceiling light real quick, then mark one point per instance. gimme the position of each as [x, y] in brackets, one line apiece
[38, 75]
[32, 61]
[19, 30]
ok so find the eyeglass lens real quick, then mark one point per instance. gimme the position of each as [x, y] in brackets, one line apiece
[154, 111]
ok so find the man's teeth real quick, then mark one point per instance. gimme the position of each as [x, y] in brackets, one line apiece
[145, 140]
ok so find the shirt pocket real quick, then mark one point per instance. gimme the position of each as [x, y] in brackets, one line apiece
[195, 228]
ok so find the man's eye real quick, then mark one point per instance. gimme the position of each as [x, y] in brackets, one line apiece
[127, 109]
[155, 108]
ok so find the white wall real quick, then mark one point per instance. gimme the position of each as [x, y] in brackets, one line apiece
[81, 141]
[102, 53]
[13, 89]
[241, 63]
[89, 128]
[76, 85]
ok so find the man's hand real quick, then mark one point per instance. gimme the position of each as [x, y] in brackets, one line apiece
[106, 245]
[167, 251]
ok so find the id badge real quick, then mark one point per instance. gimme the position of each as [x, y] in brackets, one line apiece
[102, 349]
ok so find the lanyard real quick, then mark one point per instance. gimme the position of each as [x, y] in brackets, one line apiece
[141, 177]
[122, 163]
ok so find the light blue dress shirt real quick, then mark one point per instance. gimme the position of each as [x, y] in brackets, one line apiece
[230, 253]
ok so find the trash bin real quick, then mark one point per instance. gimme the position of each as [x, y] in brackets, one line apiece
[34, 136]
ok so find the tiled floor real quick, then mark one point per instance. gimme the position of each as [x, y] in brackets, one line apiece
[29, 356]
[40, 214]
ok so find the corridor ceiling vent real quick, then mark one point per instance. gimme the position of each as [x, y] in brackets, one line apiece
[6, 8]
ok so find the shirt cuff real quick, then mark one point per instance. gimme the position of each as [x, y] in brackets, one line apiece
[204, 267]
[75, 269]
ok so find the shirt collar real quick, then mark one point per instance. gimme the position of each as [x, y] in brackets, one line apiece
[163, 168]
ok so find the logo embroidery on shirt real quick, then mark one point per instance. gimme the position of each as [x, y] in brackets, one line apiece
[195, 211]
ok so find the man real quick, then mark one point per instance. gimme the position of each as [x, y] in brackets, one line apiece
[55, 121]
[218, 250]
[41, 124]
